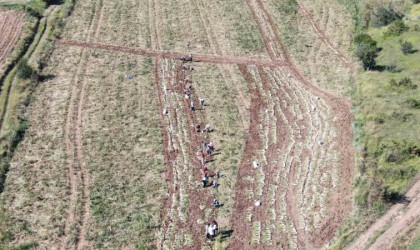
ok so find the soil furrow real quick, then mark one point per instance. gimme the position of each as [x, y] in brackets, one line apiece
[240, 224]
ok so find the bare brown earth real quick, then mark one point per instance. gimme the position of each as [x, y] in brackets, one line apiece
[11, 23]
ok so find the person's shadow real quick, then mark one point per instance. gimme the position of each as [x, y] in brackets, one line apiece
[226, 233]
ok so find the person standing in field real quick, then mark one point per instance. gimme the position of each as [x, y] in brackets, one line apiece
[192, 105]
[204, 180]
[201, 103]
[202, 158]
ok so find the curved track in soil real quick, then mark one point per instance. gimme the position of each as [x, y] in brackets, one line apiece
[79, 177]
[302, 160]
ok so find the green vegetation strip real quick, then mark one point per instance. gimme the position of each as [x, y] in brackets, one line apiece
[386, 103]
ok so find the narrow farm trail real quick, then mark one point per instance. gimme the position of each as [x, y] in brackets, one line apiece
[213, 59]
[325, 39]
[79, 177]
[11, 24]
[392, 223]
[269, 33]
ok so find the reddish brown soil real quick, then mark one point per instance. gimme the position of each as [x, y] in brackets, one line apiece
[340, 202]
[242, 229]
[174, 55]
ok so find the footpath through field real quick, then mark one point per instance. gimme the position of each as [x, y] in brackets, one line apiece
[214, 59]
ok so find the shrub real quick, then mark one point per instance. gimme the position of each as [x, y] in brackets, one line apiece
[383, 16]
[407, 48]
[405, 82]
[396, 28]
[413, 103]
[364, 39]
[35, 7]
[24, 71]
[366, 50]
[367, 54]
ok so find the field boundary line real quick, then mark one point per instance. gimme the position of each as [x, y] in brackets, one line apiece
[213, 59]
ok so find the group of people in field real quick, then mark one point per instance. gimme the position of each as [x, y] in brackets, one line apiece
[206, 148]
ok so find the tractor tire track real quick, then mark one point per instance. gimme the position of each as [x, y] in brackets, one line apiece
[170, 81]
[216, 49]
[77, 169]
[321, 34]
[243, 231]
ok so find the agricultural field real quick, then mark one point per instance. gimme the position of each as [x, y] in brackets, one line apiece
[109, 157]
[11, 24]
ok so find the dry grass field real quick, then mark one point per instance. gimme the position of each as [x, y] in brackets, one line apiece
[111, 157]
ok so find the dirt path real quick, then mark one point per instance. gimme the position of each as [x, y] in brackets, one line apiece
[399, 217]
[173, 55]
[10, 30]
[79, 177]
[325, 39]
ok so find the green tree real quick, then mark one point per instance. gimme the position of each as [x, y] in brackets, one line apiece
[24, 71]
[383, 16]
[366, 50]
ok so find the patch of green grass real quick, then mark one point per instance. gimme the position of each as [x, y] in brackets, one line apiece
[416, 243]
[248, 38]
